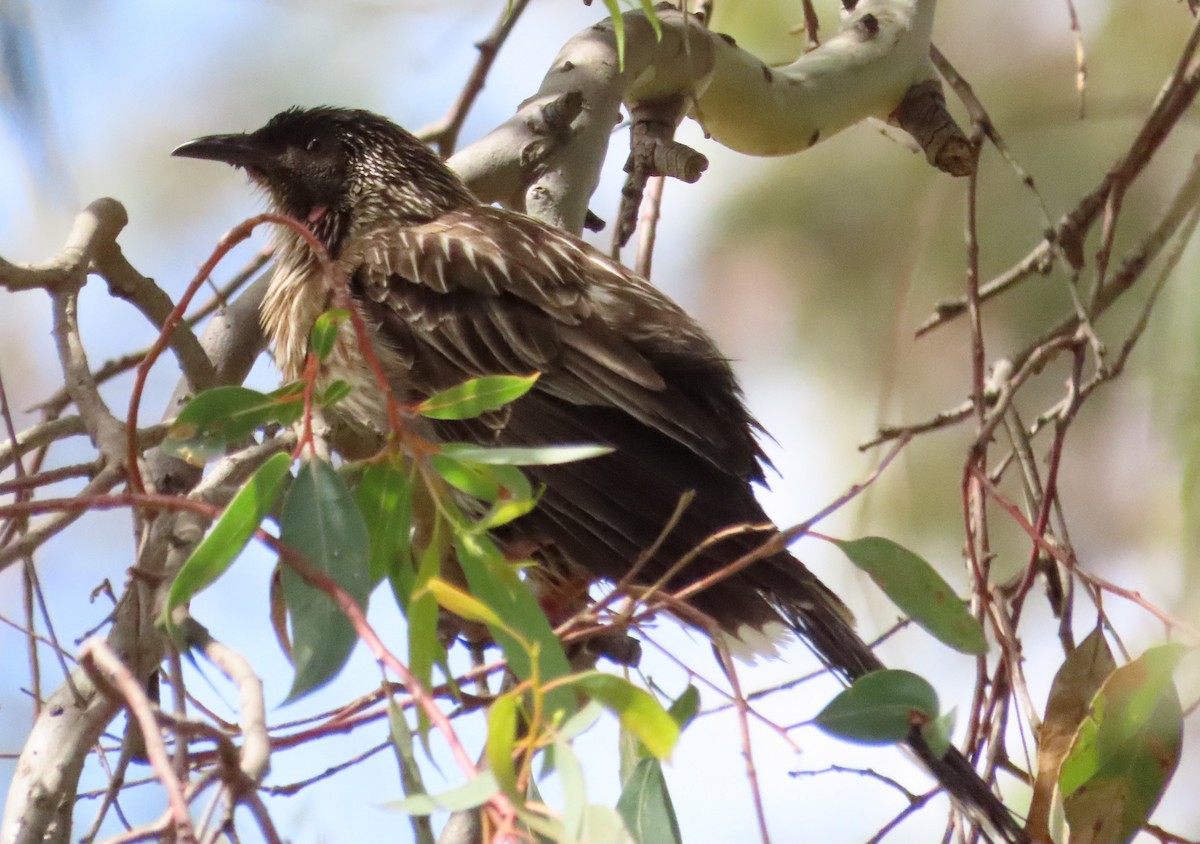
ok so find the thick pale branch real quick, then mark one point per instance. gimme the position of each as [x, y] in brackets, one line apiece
[41, 434]
[125, 282]
[864, 71]
[106, 431]
[100, 222]
[43, 789]
[255, 754]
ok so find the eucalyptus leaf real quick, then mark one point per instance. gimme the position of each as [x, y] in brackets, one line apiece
[477, 396]
[237, 524]
[917, 589]
[537, 456]
[880, 708]
[645, 805]
[321, 521]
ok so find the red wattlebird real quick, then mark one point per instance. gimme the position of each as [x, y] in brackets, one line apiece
[452, 289]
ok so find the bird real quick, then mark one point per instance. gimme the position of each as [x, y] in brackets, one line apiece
[452, 289]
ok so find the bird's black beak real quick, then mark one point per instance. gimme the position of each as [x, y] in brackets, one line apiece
[238, 150]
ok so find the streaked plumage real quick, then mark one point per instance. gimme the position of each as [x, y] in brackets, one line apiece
[454, 290]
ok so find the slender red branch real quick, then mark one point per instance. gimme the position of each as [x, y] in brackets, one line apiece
[743, 708]
[311, 368]
[780, 540]
[314, 577]
[1071, 564]
[231, 239]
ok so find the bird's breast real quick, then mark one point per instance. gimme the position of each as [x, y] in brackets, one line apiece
[298, 294]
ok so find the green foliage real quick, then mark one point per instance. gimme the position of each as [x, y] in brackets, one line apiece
[411, 514]
[533, 652]
[384, 496]
[217, 551]
[636, 708]
[333, 394]
[1125, 751]
[321, 520]
[501, 742]
[410, 772]
[1075, 685]
[504, 487]
[685, 707]
[916, 588]
[541, 456]
[882, 708]
[223, 416]
[618, 22]
[477, 396]
[474, 792]
[424, 647]
[325, 331]
[645, 805]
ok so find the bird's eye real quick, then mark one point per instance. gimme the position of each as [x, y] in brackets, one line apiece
[313, 145]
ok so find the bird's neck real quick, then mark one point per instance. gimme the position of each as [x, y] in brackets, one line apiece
[299, 293]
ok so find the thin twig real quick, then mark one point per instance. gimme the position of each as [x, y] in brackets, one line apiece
[103, 665]
[743, 707]
[444, 133]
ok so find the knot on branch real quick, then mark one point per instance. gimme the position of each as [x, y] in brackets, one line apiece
[923, 114]
[551, 126]
[653, 151]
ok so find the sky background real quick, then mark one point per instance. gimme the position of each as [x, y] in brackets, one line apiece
[810, 272]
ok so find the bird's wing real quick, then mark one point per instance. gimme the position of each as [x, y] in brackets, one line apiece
[485, 291]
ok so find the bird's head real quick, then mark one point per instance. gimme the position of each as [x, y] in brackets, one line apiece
[335, 169]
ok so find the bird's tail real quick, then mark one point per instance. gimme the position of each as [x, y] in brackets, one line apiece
[826, 626]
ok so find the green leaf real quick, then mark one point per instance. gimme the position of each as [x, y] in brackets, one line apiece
[424, 647]
[477, 396]
[334, 393]
[473, 793]
[917, 589]
[501, 738]
[321, 521]
[1126, 750]
[652, 15]
[410, 772]
[570, 776]
[540, 456]
[547, 830]
[685, 707]
[223, 415]
[645, 805]
[462, 604]
[217, 551]
[384, 497]
[880, 708]
[614, 11]
[602, 825]
[637, 709]
[581, 721]
[503, 512]
[325, 331]
[937, 732]
[504, 487]
[475, 480]
[494, 582]
[1075, 686]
